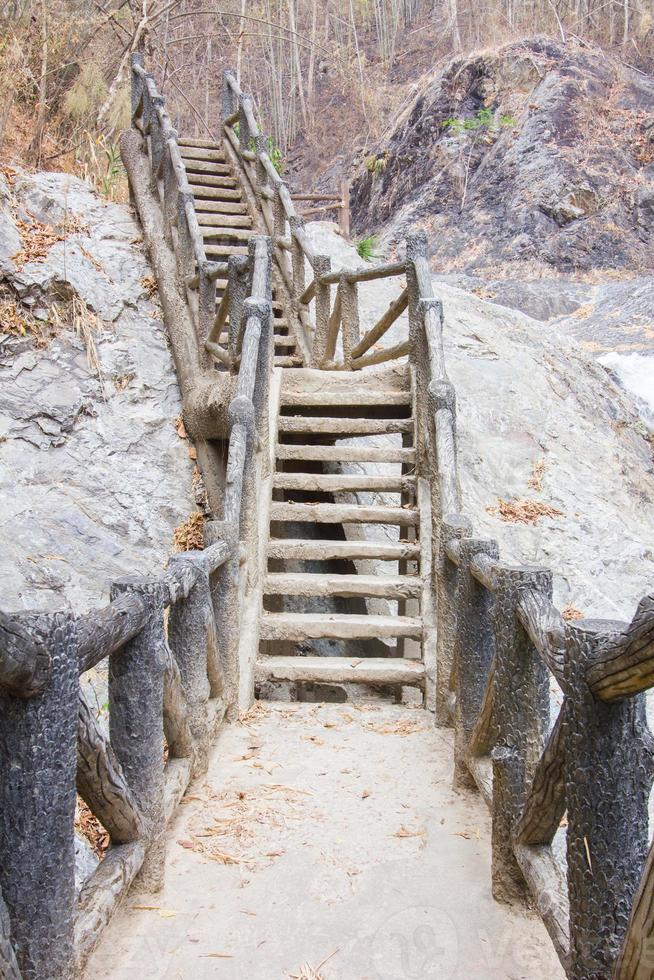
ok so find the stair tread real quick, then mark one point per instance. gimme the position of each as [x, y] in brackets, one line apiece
[300, 626]
[212, 180]
[239, 234]
[215, 193]
[357, 454]
[225, 250]
[224, 221]
[206, 207]
[205, 144]
[316, 584]
[322, 550]
[215, 167]
[332, 482]
[345, 426]
[289, 362]
[326, 513]
[215, 154]
[369, 670]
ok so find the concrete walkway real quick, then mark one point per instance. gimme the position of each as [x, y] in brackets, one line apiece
[327, 838]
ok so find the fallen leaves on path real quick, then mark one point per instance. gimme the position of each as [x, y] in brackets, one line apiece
[405, 832]
[308, 972]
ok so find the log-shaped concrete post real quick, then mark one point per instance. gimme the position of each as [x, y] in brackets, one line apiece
[137, 80]
[297, 260]
[237, 272]
[206, 306]
[38, 762]
[322, 265]
[136, 691]
[473, 651]
[521, 712]
[191, 634]
[225, 589]
[450, 528]
[416, 250]
[349, 317]
[230, 104]
[608, 775]
[244, 134]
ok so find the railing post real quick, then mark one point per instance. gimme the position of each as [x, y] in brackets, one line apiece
[229, 98]
[608, 775]
[521, 712]
[344, 213]
[244, 134]
[185, 253]
[322, 265]
[237, 272]
[449, 528]
[225, 596]
[473, 651]
[137, 81]
[192, 639]
[38, 764]
[416, 249]
[349, 318]
[297, 260]
[206, 306]
[136, 691]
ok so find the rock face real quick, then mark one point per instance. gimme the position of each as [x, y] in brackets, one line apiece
[539, 420]
[548, 165]
[93, 476]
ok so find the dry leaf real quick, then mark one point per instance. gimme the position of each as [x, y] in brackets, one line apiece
[404, 832]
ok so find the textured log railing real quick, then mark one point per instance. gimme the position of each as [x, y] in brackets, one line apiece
[327, 326]
[499, 640]
[172, 678]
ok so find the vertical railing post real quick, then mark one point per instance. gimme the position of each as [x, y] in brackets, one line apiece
[344, 213]
[136, 690]
[237, 272]
[416, 250]
[321, 267]
[473, 651]
[137, 81]
[349, 318]
[244, 134]
[229, 97]
[521, 713]
[191, 634]
[297, 260]
[225, 596]
[607, 780]
[206, 306]
[38, 765]
[185, 253]
[448, 528]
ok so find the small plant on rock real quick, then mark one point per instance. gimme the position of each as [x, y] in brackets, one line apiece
[367, 248]
[479, 125]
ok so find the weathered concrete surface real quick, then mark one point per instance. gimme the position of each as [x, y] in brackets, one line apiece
[528, 394]
[93, 477]
[335, 837]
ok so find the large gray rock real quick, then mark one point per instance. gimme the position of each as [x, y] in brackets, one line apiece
[526, 394]
[93, 477]
[562, 179]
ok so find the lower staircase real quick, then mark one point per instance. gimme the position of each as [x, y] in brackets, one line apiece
[343, 587]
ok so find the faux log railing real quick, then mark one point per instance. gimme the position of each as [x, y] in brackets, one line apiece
[171, 677]
[499, 640]
[327, 327]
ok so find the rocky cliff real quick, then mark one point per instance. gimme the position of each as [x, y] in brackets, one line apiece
[531, 159]
[93, 475]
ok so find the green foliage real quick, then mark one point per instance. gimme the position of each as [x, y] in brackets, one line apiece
[482, 119]
[367, 248]
[114, 170]
[375, 165]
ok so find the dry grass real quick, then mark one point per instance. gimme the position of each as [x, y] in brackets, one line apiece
[90, 827]
[535, 481]
[38, 238]
[149, 284]
[16, 321]
[523, 511]
[189, 535]
[570, 613]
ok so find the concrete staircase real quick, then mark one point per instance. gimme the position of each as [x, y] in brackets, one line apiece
[227, 223]
[343, 587]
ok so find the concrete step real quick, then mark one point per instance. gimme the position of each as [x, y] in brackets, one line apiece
[332, 483]
[319, 626]
[206, 207]
[224, 221]
[347, 454]
[224, 251]
[340, 670]
[343, 514]
[204, 144]
[343, 426]
[201, 153]
[207, 167]
[201, 193]
[309, 584]
[292, 361]
[236, 234]
[211, 180]
[300, 549]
